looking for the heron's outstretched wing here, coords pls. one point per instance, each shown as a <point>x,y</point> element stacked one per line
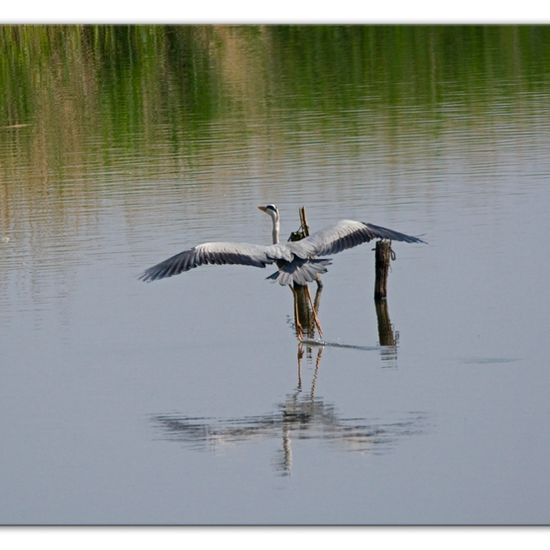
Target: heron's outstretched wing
<point>345,234</point>
<point>216,253</point>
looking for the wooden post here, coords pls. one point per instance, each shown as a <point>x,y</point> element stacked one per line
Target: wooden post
<point>305,313</point>
<point>303,231</point>
<point>384,255</point>
<point>302,312</point>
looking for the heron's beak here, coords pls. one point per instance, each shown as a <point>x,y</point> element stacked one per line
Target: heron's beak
<point>262,208</point>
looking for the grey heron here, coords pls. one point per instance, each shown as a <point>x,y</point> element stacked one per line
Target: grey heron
<point>298,262</point>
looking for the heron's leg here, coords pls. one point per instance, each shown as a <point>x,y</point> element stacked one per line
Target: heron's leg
<point>319,283</point>
<point>318,292</point>
<point>315,318</point>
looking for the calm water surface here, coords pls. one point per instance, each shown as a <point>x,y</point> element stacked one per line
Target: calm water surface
<point>189,400</point>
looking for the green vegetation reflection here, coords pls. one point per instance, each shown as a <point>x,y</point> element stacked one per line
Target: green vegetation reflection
<point>109,90</point>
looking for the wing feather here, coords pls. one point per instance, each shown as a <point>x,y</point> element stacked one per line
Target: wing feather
<point>215,253</point>
<point>343,235</point>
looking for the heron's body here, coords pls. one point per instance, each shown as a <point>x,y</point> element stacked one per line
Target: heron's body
<point>298,262</point>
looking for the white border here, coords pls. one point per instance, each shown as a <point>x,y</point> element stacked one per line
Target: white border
<point>282,11</point>
<point>267,538</point>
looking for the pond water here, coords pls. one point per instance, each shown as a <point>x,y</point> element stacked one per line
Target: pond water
<point>189,400</point>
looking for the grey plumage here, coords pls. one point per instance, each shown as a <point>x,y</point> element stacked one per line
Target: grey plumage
<point>300,271</point>
<point>343,235</point>
<point>216,253</point>
<point>297,261</point>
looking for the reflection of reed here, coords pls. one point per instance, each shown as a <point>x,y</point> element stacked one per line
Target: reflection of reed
<point>301,416</point>
<point>119,88</point>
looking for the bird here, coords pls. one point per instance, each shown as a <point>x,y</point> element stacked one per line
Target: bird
<point>298,262</point>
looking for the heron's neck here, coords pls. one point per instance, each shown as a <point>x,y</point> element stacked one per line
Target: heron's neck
<point>276,229</point>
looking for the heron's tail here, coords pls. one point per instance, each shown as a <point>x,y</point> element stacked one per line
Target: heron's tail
<point>300,271</point>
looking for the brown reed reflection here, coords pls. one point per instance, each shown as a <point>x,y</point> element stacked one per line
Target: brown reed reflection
<point>300,416</point>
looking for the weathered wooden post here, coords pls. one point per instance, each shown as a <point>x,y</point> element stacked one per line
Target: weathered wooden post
<point>304,316</point>
<point>302,312</point>
<point>384,255</point>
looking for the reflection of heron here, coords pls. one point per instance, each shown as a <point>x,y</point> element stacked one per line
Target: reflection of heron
<point>302,415</point>
<point>297,261</point>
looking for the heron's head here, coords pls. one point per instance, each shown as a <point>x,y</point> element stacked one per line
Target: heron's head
<point>271,210</point>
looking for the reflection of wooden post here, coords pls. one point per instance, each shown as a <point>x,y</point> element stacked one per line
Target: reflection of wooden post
<point>386,335</point>
<point>384,255</point>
